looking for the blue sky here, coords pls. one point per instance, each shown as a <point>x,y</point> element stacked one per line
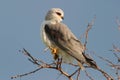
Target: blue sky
<point>20,28</point>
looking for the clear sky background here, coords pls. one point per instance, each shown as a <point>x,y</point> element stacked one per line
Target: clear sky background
<point>20,28</point>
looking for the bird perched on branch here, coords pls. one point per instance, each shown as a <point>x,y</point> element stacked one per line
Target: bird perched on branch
<point>61,41</point>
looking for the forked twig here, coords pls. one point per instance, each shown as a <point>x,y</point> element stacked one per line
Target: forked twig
<point>108,77</point>
<point>88,75</point>
<point>42,65</point>
<point>87,30</point>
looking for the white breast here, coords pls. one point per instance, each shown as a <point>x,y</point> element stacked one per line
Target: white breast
<point>44,36</point>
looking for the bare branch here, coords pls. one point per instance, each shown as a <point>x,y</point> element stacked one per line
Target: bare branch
<point>118,58</point>
<point>42,65</point>
<point>17,76</point>
<point>117,73</point>
<point>88,75</point>
<point>78,75</point>
<point>115,48</point>
<point>118,23</point>
<point>75,72</point>
<point>108,77</point>
<point>87,30</point>
<point>115,66</point>
<point>30,57</point>
<point>104,59</point>
<point>115,51</point>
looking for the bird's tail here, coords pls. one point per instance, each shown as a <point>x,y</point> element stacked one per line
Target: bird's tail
<point>90,61</point>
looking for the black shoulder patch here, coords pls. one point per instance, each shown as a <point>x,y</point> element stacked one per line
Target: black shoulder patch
<point>53,33</point>
<point>46,28</point>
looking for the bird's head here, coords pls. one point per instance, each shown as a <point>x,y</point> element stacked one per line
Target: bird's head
<point>56,14</point>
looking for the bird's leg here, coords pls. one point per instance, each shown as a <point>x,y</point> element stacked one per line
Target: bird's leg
<point>54,51</point>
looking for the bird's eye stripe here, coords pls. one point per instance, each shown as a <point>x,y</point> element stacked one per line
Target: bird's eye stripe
<point>58,13</point>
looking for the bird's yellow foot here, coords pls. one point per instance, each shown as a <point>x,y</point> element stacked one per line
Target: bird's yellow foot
<point>54,51</point>
<point>55,56</point>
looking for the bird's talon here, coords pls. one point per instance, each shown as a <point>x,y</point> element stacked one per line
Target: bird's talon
<point>54,50</point>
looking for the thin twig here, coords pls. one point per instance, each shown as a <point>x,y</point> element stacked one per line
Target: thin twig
<point>108,77</point>
<point>75,72</point>
<point>118,58</point>
<point>17,76</point>
<point>75,65</point>
<point>87,30</point>
<point>43,65</point>
<point>118,23</point>
<point>66,74</point>
<point>117,73</point>
<point>31,58</point>
<point>104,59</point>
<point>115,48</point>
<point>78,75</point>
<point>88,75</point>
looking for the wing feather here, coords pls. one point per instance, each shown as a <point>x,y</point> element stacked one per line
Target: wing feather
<point>60,35</point>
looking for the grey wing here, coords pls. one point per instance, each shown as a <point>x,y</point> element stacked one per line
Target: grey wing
<point>60,35</point>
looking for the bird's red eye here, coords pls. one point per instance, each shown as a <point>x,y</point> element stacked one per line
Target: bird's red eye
<point>58,13</point>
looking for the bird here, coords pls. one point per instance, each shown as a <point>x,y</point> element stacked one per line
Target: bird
<point>62,42</point>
